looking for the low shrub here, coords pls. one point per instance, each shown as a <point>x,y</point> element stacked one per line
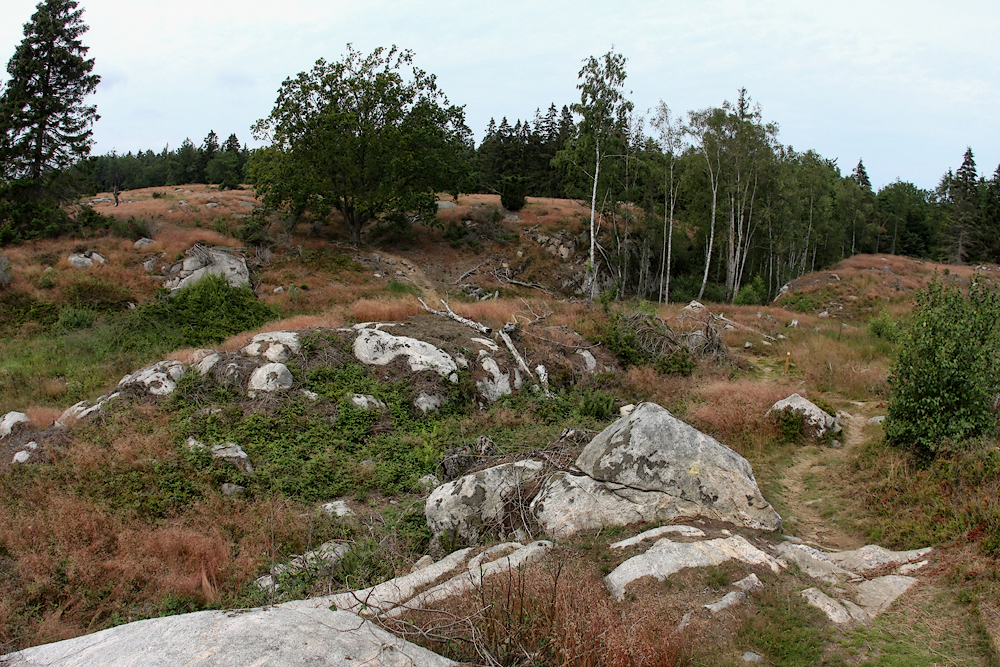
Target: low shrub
<point>678,363</point>
<point>97,295</point>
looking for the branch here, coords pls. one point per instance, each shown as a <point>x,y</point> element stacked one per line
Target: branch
<point>471,271</point>
<point>450,314</point>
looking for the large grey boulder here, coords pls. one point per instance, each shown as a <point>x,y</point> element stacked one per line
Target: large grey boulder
<point>489,501</point>
<point>279,636</point>
<point>159,379</point>
<point>202,262</point>
<point>815,420</point>
<point>651,450</point>
<point>270,378</point>
<point>10,421</point>
<point>378,348</point>
<point>277,346</point>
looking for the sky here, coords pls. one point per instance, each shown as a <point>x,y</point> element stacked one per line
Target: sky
<point>905,86</point>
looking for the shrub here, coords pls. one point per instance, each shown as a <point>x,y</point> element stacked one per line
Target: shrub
<point>945,380</point>
<point>513,191</point>
<point>97,295</point>
<point>133,229</point>
<point>71,319</point>
<point>597,404</point>
<point>884,327</point>
<point>752,294</point>
<point>678,363</point>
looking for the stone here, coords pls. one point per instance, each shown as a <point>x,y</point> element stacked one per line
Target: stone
<point>626,410</point>
<point>82,411</point>
<point>367,402</point>
<point>910,568</point>
<point>428,402</point>
<point>484,501</point>
<point>422,562</point>
<point>751,582</point>
<point>815,564</point>
<point>378,348</point>
<point>159,379</point>
<point>278,290</point>
<point>442,205</point>
<point>815,419</point>
<point>10,422</point>
<point>728,600</point>
<point>208,363</point>
<point>143,243</point>
<point>589,362</point>
<point>873,557</point>
<point>876,420</point>
<point>202,262</point>
<point>651,450</point>
<point>233,453</point>
<point>338,508</point>
<point>876,595</point>
<point>496,384</point>
<point>694,306</point>
<point>283,635</point>
<point>841,612</point>
<point>85,260</point>
<point>231,489</point>
<point>750,656</point>
<point>667,557</point>
<point>21,456</point>
<point>277,346</point>
<point>656,533</point>
<point>322,560</point>
<point>270,378</point>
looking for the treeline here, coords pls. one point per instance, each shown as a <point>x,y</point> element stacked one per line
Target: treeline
<point>747,214</point>
<point>224,165</point>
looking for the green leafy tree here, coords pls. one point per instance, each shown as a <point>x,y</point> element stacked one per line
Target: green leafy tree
<point>360,137</point>
<point>947,377</point>
<point>46,127</point>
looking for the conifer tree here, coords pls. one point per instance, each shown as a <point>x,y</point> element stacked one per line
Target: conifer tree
<point>45,127</point>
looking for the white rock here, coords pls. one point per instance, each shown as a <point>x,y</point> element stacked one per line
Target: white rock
<point>278,636</point>
<point>21,456</point>
<point>377,347</point>
<point>750,656</point>
<point>202,262</point>
<point>815,564</point>
<point>656,533</point>
<point>271,377</point>
<point>273,345</point>
<point>483,501</point>
<point>589,362</point>
<point>841,612</point>
<point>208,363</point>
<point>816,420</point>
<point>429,402</point>
<point>751,582</point>
<point>337,508</point>
<point>367,402</point>
<point>910,568</point>
<point>487,343</point>
<point>626,410</point>
<point>652,450</point>
<point>873,557</point>
<point>80,261</point>
<point>728,600</point>
<point>323,559</point>
<point>496,385</point>
<point>234,454</point>
<point>666,557</point>
<point>877,594</point>
<point>694,306</point>
<point>10,420</point>
<point>143,243</point>
<point>876,420</point>
<point>159,379</point>
<point>311,395</point>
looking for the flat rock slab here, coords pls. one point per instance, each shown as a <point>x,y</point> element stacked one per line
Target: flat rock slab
<point>378,348</point>
<point>877,594</point>
<point>278,636</point>
<point>841,612</point>
<point>873,557</point>
<point>815,564</point>
<point>665,558</point>
<point>277,346</point>
<point>656,533</point>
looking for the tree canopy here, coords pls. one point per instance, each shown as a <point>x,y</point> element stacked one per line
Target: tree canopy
<point>360,137</point>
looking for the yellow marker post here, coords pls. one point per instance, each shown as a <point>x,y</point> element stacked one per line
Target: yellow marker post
<point>788,360</point>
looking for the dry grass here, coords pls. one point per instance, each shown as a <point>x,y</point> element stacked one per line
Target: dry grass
<point>734,413</point>
<point>294,323</point>
<point>385,309</point>
<point>42,417</point>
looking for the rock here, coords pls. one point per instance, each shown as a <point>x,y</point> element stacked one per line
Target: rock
<point>496,385</point>
<point>367,402</point>
<point>751,582</point>
<point>143,243</point>
<point>202,262</point>
<point>824,315</point>
<point>233,453</point>
<point>747,345</point>
<point>231,489</point>
<point>873,557</point>
<point>322,560</point>
<point>750,656</point>
<point>815,564</point>
<point>651,450</point>
<point>277,636</point>
<point>815,420</point>
<point>159,379</point>
<point>442,205</point>
<point>589,362</point>
<point>271,377</point>
<point>206,364</point>
<point>877,594</point>
<point>666,557</point>
<point>338,508</point>
<point>11,420</point>
<point>428,402</point>
<point>279,290</point>
<point>485,501</point>
<point>695,307</point>
<point>655,533</point>
<point>311,395</point>
<point>728,600</point>
<point>626,410</point>
<point>377,347</point>
<point>841,612</point>
<point>85,260</point>
<point>876,420</point>
<point>275,346</point>
<point>910,568</point>
<point>793,324</point>
<point>25,454</point>
<point>82,411</point>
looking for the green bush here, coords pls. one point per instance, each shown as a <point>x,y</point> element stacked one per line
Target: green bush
<point>597,404</point>
<point>947,376</point>
<point>752,294</point>
<point>133,229</point>
<point>884,327</point>
<point>513,192</point>
<point>71,319</point>
<point>678,363</point>
<point>98,295</point>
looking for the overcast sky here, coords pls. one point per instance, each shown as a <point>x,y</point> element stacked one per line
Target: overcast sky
<point>904,85</point>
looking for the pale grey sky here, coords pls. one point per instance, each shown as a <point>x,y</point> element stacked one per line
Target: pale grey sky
<point>904,85</point>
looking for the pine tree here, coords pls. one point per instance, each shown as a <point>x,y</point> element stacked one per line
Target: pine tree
<point>860,176</point>
<point>44,124</point>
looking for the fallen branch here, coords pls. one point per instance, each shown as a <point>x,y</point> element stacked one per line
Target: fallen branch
<point>742,326</point>
<point>450,314</point>
<point>471,271</point>
<point>507,280</point>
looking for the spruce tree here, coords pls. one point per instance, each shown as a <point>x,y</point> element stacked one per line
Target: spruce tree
<point>860,176</point>
<point>45,127</point>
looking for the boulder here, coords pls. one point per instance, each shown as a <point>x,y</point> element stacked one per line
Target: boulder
<point>83,410</point>
<point>429,402</point>
<point>841,612</point>
<point>276,346</point>
<point>202,262</point>
<point>873,557</point>
<point>85,260</point>
<point>367,402</point>
<point>378,348</point>
<point>270,378</point>
<point>488,501</point>
<point>10,422</point>
<point>876,595</point>
<point>278,636</point>
<point>143,243</point>
<point>496,384</point>
<point>815,563</point>
<point>159,379</point>
<point>815,420</point>
<point>666,557</point>
<point>651,450</point>
<point>233,453</point>
<point>24,455</point>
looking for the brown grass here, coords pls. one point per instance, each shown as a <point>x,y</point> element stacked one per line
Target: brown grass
<point>385,309</point>
<point>734,413</point>
<point>42,417</point>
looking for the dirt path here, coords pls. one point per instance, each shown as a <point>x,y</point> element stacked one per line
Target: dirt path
<point>815,490</point>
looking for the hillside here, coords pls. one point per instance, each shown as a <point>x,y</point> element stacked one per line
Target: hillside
<point>118,516</point>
